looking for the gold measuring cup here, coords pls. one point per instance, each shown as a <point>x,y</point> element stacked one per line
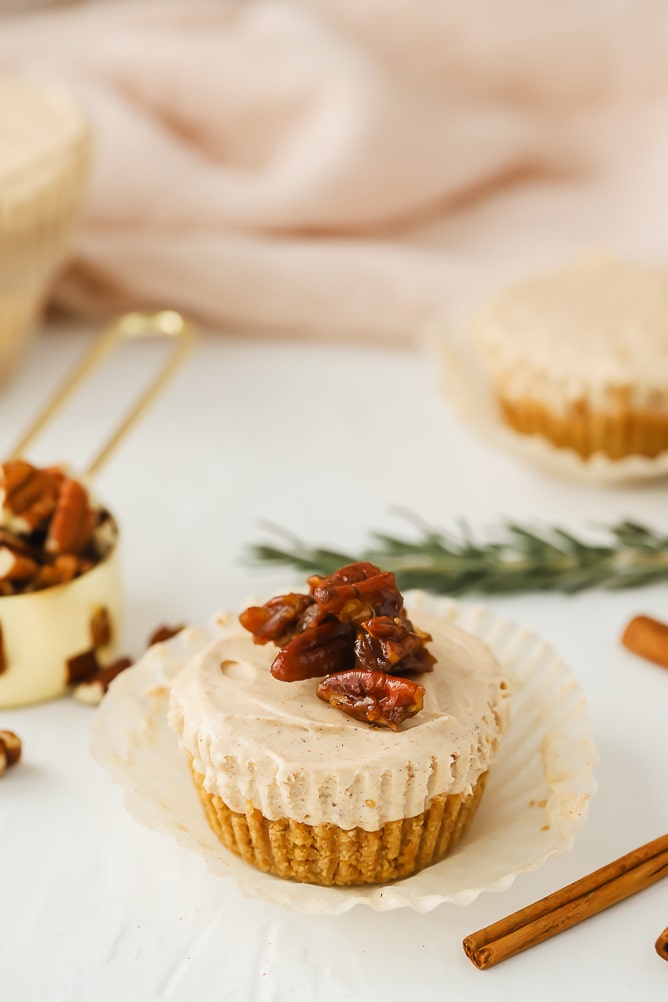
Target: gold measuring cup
<point>42,631</point>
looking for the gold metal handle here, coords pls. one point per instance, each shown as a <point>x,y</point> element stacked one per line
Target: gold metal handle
<point>166,323</point>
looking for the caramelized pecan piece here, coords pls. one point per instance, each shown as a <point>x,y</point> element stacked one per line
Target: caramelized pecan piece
<point>278,619</point>
<point>373,696</point>
<point>357,592</point>
<point>316,651</point>
<point>392,645</point>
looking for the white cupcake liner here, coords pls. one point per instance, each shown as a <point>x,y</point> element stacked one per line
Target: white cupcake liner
<point>463,384</point>
<point>535,803</point>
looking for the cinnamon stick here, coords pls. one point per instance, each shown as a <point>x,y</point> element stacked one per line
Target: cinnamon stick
<point>649,638</point>
<point>661,944</point>
<point>572,904</point>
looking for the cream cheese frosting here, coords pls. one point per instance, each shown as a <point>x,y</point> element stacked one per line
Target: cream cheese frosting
<point>595,330</point>
<point>276,746</point>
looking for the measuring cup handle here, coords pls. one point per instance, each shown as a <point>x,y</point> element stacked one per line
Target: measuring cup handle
<point>165,323</point>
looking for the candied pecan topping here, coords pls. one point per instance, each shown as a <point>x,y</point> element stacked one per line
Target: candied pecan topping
<point>373,696</point>
<point>392,645</point>
<point>357,592</point>
<point>353,621</point>
<point>278,619</point>
<point>319,650</point>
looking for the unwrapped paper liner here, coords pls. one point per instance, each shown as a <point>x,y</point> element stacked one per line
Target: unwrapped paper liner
<point>536,800</point>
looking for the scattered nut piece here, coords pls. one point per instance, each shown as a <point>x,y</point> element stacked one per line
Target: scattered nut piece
<point>10,750</point>
<point>649,638</point>
<point>12,745</point>
<point>82,666</point>
<point>164,633</point>
<point>93,688</point>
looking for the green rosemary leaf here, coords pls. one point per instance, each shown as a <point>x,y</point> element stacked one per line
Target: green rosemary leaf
<point>516,559</point>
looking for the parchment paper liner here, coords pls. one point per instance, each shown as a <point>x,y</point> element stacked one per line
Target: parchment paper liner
<point>465,387</point>
<point>535,803</point>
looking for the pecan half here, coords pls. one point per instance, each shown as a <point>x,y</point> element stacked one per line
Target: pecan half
<point>73,521</point>
<point>373,696</point>
<point>317,651</point>
<point>278,619</point>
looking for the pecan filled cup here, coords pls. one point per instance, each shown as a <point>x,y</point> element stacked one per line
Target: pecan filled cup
<point>334,737</point>
<point>60,590</point>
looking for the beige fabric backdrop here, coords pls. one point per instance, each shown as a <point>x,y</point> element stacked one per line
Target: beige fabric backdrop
<point>352,167</point>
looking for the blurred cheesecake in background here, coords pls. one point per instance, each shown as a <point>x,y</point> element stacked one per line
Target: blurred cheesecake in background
<point>579,356</point>
<point>44,162</point>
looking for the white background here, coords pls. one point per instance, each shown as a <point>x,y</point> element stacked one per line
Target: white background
<point>324,440</point>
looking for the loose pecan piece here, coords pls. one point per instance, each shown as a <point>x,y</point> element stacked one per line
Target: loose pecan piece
<point>73,521</point>
<point>163,633</point>
<point>94,687</point>
<point>10,750</point>
<point>278,619</point>
<point>373,696</point>
<point>317,651</point>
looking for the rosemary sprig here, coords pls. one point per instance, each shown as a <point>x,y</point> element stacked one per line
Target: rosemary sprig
<point>516,559</point>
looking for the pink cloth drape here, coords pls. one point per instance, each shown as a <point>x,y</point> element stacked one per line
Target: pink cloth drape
<point>352,168</point>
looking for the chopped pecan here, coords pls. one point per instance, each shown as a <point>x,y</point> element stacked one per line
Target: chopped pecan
<point>278,619</point>
<point>317,651</point>
<point>94,687</point>
<point>373,696</point>
<point>73,521</point>
<point>164,633</point>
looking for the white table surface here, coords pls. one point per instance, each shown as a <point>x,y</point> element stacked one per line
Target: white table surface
<point>325,440</point>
